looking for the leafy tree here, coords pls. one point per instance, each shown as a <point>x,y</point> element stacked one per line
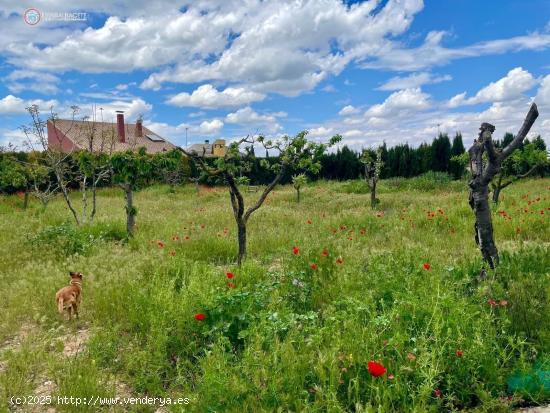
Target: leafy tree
<point>457,168</point>
<point>294,152</point>
<point>373,168</point>
<point>130,171</point>
<point>522,163</point>
<point>298,181</point>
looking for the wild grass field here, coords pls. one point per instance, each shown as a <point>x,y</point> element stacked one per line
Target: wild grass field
<point>328,286</point>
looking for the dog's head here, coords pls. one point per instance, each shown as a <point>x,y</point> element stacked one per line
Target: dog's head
<point>75,275</point>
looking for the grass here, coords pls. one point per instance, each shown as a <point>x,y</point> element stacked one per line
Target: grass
<point>287,337</point>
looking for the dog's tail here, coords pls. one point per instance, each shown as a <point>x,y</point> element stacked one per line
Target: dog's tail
<point>60,305</point>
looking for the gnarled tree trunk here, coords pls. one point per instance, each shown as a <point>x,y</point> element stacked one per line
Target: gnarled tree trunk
<point>130,209</point>
<point>482,174</point>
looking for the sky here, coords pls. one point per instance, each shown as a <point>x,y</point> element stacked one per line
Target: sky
<point>398,71</point>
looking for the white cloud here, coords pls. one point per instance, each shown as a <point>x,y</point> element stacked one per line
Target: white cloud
<point>395,56</point>
<point>320,132</point>
<point>398,103</point>
<point>21,80</point>
<point>348,110</point>
<point>248,115</point>
<point>132,109</point>
<point>413,80</point>
<point>12,105</point>
<point>511,86</point>
<point>208,97</point>
<point>211,127</point>
<point>543,94</point>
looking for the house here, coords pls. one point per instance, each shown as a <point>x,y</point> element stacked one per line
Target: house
<point>71,135</point>
<point>209,150</point>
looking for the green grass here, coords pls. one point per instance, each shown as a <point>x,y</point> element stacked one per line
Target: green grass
<point>287,337</point>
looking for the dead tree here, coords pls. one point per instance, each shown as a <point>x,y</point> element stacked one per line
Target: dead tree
<point>482,171</point>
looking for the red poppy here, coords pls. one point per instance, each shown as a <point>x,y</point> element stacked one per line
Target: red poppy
<point>459,353</point>
<point>503,303</point>
<point>295,250</point>
<point>391,377</point>
<point>492,302</point>
<point>187,237</point>
<point>362,232</point>
<point>160,244</point>
<point>309,221</point>
<point>437,393</point>
<point>376,369</point>
<point>427,266</point>
<point>175,238</point>
<point>313,266</point>
<point>229,275</point>
<point>339,260</point>
<point>230,285</point>
<point>200,317</point>
<point>173,253</point>
<point>324,253</point>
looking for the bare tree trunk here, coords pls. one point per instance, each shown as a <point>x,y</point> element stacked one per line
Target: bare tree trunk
<point>130,210</point>
<point>496,189</point>
<point>26,198</point>
<point>94,202</point>
<point>66,196</point>
<point>372,186</point>
<point>482,174</point>
<point>241,235</point>
<point>298,195</point>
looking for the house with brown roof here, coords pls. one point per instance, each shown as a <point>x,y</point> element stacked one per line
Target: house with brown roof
<point>107,137</point>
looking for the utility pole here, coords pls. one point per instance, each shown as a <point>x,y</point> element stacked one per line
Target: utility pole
<point>186,137</point>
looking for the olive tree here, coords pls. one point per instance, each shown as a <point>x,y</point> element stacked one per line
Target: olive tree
<point>294,152</point>
<point>485,162</point>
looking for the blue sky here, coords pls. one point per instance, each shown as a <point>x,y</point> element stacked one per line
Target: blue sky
<point>394,71</point>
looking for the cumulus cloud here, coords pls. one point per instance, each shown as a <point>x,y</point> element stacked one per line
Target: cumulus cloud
<point>12,105</point>
<point>398,103</point>
<point>348,110</point>
<point>208,97</point>
<point>211,127</point>
<point>21,80</point>
<point>511,86</point>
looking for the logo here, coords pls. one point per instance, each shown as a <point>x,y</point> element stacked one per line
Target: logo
<point>32,16</point>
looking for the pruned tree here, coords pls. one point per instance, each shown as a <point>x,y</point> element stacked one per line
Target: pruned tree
<point>294,152</point>
<point>298,181</point>
<point>130,172</point>
<point>485,162</point>
<point>373,168</point>
<point>523,162</point>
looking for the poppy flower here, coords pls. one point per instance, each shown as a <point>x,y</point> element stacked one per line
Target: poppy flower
<point>175,238</point>
<point>229,275</point>
<point>295,250</point>
<point>324,253</point>
<point>200,317</point>
<point>492,302</point>
<point>313,266</point>
<point>459,353</point>
<point>503,303</point>
<point>437,393</point>
<point>391,377</point>
<point>187,237</point>
<point>160,244</point>
<point>309,221</point>
<point>339,260</point>
<point>376,369</point>
<point>427,266</point>
<point>173,253</point>
<point>230,285</point>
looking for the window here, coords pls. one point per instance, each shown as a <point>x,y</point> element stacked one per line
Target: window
<point>154,137</point>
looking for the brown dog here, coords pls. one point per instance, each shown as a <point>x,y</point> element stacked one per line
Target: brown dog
<point>69,297</point>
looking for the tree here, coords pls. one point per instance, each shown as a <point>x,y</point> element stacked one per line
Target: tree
<point>441,153</point>
<point>483,171</point>
<point>130,171</point>
<point>373,168</point>
<point>456,168</point>
<point>298,181</point>
<point>294,152</point>
<point>522,163</point>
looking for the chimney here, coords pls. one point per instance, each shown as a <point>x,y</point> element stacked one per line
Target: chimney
<point>120,126</point>
<point>139,127</point>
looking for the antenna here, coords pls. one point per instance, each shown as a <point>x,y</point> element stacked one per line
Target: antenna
<point>186,137</point>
